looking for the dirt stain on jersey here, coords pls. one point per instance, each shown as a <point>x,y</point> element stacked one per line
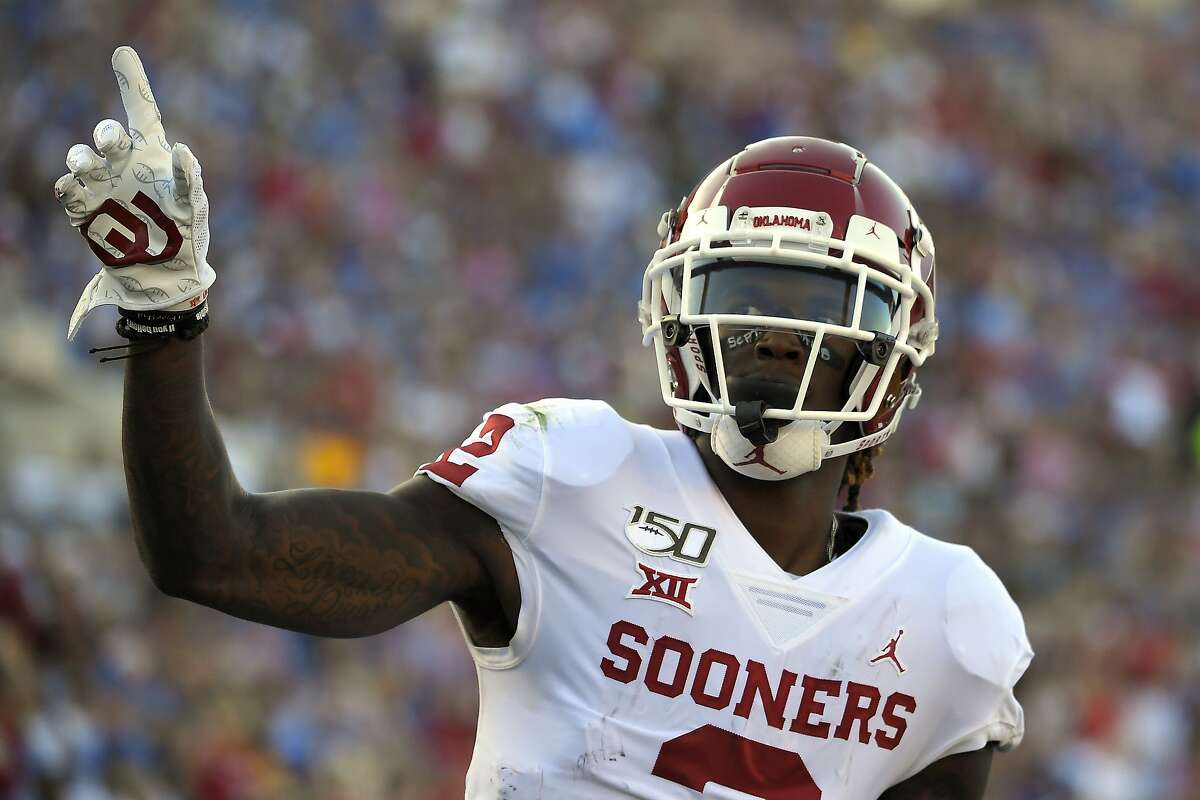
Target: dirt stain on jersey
<point>604,746</point>
<point>516,784</point>
<point>543,419</point>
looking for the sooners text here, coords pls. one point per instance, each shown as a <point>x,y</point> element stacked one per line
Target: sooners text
<point>715,678</point>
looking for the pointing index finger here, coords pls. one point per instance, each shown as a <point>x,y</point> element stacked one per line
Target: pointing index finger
<point>136,96</point>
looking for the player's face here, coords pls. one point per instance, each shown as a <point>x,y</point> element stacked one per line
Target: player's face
<point>765,363</point>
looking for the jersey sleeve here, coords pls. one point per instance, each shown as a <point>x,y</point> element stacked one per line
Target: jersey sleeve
<point>986,634</point>
<point>498,468</point>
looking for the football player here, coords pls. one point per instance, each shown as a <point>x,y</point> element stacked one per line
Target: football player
<point>653,613</point>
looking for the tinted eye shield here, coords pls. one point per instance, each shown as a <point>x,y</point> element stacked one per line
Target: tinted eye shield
<point>736,340</point>
<point>787,293</point>
<point>676,267</point>
<point>741,292</point>
<point>774,365</point>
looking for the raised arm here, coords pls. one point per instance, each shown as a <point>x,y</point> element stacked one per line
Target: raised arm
<point>321,561</point>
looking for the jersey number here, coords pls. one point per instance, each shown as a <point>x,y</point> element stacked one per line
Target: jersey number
<point>491,433</point>
<point>714,755</point>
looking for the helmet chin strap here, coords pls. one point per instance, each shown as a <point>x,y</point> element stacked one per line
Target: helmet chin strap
<point>793,449</point>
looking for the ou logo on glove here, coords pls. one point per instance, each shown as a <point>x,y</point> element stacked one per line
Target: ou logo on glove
<point>136,250</point>
<point>153,244</point>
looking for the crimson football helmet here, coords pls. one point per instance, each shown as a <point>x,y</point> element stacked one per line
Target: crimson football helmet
<point>803,240</point>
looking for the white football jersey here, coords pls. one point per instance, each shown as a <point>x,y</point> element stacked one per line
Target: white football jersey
<point>661,653</point>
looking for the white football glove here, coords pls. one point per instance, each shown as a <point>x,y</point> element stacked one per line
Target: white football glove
<point>140,204</point>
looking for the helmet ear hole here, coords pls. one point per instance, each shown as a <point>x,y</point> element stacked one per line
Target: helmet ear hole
<point>675,333</point>
<point>878,350</point>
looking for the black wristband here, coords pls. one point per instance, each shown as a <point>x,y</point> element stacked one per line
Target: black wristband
<point>144,325</point>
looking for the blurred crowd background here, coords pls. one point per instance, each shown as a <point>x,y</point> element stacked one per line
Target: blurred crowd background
<point>424,209</point>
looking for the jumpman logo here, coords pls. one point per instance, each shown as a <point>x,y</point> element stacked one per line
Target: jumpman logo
<point>872,231</point>
<point>756,456</point>
<point>888,653</point>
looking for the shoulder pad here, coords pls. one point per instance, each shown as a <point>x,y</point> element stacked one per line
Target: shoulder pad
<point>983,625</point>
<point>498,468</point>
<point>586,440</point>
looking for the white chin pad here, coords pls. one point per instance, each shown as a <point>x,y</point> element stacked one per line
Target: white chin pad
<point>799,448</point>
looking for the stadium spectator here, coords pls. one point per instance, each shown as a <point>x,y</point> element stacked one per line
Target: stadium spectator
<point>424,209</point>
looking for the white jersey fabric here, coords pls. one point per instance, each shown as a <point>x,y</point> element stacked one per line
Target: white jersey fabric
<point>661,653</point>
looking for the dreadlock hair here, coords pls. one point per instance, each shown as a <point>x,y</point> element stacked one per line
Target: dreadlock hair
<point>859,470</point>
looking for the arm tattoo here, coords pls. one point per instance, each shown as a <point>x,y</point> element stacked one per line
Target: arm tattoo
<point>323,561</point>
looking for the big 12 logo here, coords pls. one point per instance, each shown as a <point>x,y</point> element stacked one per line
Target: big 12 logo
<point>662,535</point>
